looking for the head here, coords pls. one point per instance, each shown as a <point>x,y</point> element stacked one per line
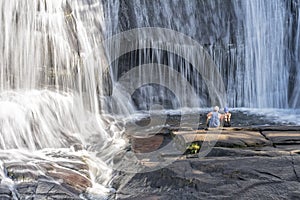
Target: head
<point>226,109</point>
<point>216,108</point>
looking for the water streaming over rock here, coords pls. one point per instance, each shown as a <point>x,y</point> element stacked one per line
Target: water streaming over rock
<point>51,64</point>
<point>64,84</point>
<point>265,82</point>
<point>295,32</point>
<point>253,43</point>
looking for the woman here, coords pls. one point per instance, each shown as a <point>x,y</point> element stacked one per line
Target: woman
<point>213,118</point>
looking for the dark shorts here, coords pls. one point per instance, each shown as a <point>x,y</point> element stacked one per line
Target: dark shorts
<point>227,124</point>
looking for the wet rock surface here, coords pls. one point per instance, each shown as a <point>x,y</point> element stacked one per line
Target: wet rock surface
<point>218,178</point>
<point>38,178</point>
<point>245,162</point>
<point>258,162</point>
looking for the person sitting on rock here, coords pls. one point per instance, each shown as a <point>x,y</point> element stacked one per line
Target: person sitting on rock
<point>213,118</point>
<point>226,117</point>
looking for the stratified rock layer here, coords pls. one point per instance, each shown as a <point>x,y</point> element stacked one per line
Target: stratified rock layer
<point>245,163</point>
<point>38,178</point>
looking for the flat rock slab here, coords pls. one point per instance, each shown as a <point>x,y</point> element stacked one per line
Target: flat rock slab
<point>247,152</point>
<point>226,138</point>
<point>274,128</point>
<point>217,178</point>
<point>283,137</point>
<point>294,148</point>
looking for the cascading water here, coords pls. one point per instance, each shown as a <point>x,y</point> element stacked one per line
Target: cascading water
<point>253,43</point>
<point>265,82</point>
<point>51,61</point>
<point>295,98</point>
<point>61,81</point>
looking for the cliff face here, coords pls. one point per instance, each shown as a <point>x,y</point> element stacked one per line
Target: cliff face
<point>242,37</point>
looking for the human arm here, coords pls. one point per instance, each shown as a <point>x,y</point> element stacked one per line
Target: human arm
<point>209,115</point>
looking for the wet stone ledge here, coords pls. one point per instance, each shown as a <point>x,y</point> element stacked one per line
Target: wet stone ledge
<point>245,163</point>
<point>44,179</point>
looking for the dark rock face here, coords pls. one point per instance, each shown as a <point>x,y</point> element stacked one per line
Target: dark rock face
<point>220,26</point>
<point>190,17</point>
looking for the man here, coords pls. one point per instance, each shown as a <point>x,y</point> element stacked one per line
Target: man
<point>227,117</point>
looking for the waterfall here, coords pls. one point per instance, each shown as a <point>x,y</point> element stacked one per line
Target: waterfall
<point>295,98</point>
<point>47,45</point>
<point>265,82</point>
<point>253,43</point>
<point>51,63</point>
<point>51,47</point>
<point>73,71</point>
<point>180,16</point>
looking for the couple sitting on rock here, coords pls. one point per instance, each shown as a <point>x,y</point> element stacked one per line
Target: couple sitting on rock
<point>214,119</point>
